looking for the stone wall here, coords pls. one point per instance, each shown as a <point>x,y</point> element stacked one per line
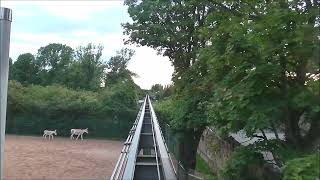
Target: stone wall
<point>214,150</point>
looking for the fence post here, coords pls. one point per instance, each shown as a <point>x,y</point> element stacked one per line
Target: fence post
<point>5,28</point>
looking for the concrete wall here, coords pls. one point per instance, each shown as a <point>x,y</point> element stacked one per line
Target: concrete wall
<point>214,150</point>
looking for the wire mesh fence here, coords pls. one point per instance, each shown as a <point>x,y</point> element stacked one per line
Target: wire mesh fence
<point>172,142</point>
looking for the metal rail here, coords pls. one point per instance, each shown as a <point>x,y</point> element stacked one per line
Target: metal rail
<point>145,155</point>
<point>168,168</point>
<point>121,163</point>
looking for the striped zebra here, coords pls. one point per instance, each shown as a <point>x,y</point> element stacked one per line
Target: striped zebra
<point>78,132</point>
<point>49,133</point>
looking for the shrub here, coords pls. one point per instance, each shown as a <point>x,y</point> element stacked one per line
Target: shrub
<point>305,168</point>
<point>108,113</point>
<point>244,164</point>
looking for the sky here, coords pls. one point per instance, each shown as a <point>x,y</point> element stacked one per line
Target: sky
<point>37,23</point>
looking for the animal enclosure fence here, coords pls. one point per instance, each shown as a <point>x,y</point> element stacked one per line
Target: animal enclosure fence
<point>172,142</point>
<point>99,126</point>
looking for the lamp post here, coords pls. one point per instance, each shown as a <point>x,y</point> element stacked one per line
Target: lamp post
<point>5,27</point>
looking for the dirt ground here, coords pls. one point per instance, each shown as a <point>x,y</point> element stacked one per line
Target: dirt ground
<point>34,158</point>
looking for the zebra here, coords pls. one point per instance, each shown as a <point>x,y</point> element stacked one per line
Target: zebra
<point>78,132</point>
<point>49,133</point>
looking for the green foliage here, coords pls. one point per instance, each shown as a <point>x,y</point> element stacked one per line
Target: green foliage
<point>202,166</point>
<point>156,91</point>
<point>239,65</point>
<point>58,99</point>
<point>10,68</point>
<point>60,64</point>
<point>15,102</point>
<point>260,67</point>
<point>117,66</point>
<point>124,96</point>
<point>87,71</point>
<point>62,89</point>
<point>177,113</point>
<point>25,69</point>
<point>173,28</point>
<point>305,168</point>
<point>244,164</point>
<point>34,108</point>
<point>53,60</point>
<point>165,110</point>
<point>159,92</point>
<point>169,27</point>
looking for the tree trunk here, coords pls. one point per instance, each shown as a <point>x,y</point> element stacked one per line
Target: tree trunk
<point>188,146</point>
<point>312,139</point>
<point>292,130</point>
<point>291,116</point>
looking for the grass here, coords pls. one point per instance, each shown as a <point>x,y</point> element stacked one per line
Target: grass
<point>202,166</point>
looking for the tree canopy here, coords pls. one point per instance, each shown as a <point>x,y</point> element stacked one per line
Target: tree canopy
<point>63,88</point>
<point>87,72</point>
<point>117,66</point>
<point>83,68</point>
<point>25,69</point>
<point>53,60</point>
<point>239,65</point>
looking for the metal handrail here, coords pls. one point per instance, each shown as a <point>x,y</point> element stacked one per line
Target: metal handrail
<point>119,168</point>
<point>126,164</point>
<point>155,148</point>
<point>133,151</point>
<point>167,165</point>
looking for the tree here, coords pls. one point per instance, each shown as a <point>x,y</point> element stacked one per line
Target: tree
<point>54,61</point>
<point>168,91</point>
<point>160,92</point>
<point>156,87</point>
<point>10,68</point>
<point>117,66</point>
<point>248,65</point>
<point>262,60</point>
<point>15,102</point>
<point>157,91</point>
<point>25,69</point>
<point>87,72</point>
<point>173,28</point>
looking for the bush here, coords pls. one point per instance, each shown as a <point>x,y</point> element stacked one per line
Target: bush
<point>244,164</point>
<point>306,168</point>
<point>108,113</point>
<point>202,166</point>
<point>164,110</point>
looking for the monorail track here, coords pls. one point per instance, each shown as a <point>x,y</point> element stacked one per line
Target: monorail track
<point>145,155</point>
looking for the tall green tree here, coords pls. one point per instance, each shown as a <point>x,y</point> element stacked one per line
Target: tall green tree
<point>157,91</point>
<point>54,61</point>
<point>173,28</point>
<point>10,68</point>
<point>87,72</point>
<point>249,65</point>
<point>117,66</point>
<point>24,69</point>
<point>262,59</point>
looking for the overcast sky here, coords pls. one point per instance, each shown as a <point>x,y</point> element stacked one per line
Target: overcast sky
<point>38,23</point>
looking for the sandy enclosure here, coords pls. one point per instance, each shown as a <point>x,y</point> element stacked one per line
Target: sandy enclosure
<point>34,158</point>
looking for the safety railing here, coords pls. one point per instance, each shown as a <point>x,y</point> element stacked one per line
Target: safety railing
<point>122,160</point>
<point>166,160</point>
<point>145,154</point>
